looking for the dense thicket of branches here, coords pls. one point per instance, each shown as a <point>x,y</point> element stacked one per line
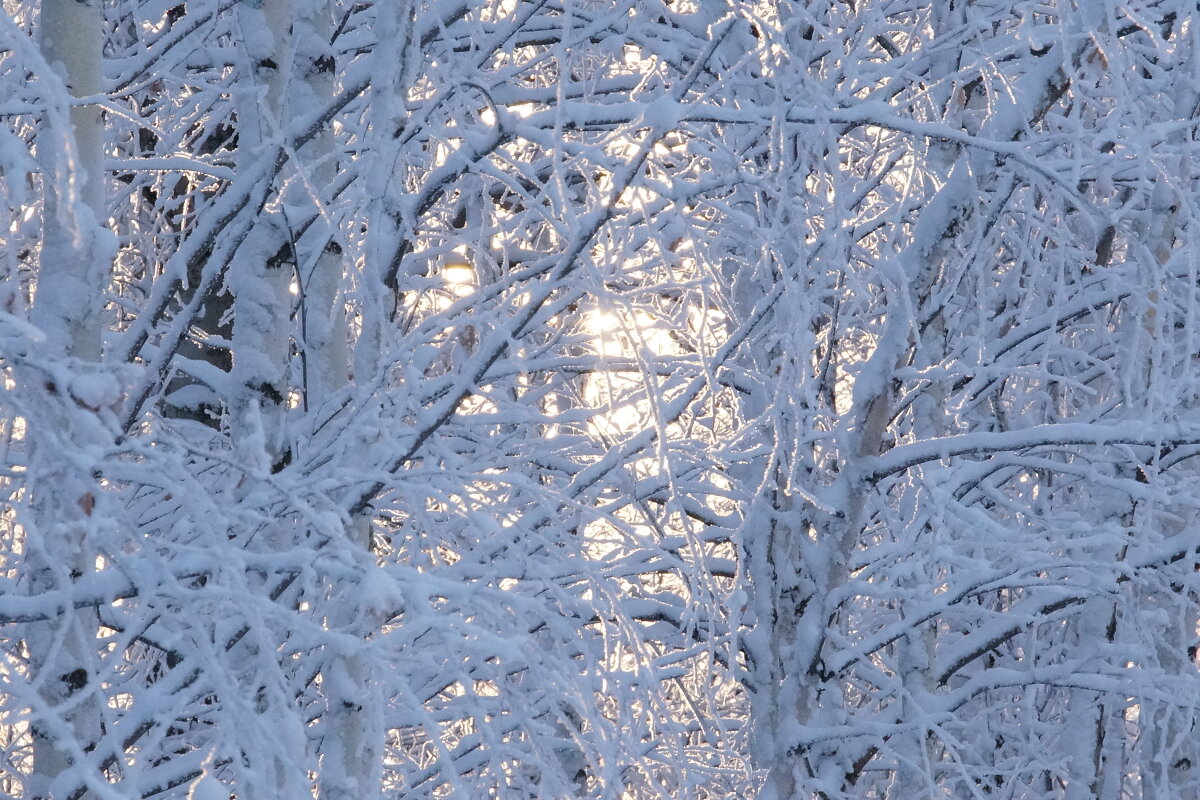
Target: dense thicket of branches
<point>590,398</point>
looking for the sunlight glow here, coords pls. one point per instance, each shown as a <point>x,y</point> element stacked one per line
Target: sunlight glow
<point>605,327</point>
<point>460,277</point>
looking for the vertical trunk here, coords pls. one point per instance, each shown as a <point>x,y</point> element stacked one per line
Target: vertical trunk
<point>351,731</point>
<point>260,275</point>
<point>1167,754</point>
<point>72,275</point>
<point>76,250</point>
<point>259,281</point>
<point>324,334</point>
<point>351,750</point>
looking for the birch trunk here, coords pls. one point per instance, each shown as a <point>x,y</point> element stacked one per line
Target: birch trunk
<point>351,730</point>
<point>259,280</point>
<point>322,272</point>
<point>260,275</point>
<point>76,250</point>
<point>353,735</point>
<point>72,276</point>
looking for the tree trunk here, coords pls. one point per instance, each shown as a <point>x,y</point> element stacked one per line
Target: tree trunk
<point>72,277</point>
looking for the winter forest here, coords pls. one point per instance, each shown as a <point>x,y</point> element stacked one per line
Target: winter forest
<point>599,399</point>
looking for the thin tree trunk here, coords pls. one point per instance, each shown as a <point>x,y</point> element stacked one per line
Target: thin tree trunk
<point>351,750</point>
<point>76,250</point>
<point>260,275</point>
<point>259,280</point>
<point>72,276</point>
